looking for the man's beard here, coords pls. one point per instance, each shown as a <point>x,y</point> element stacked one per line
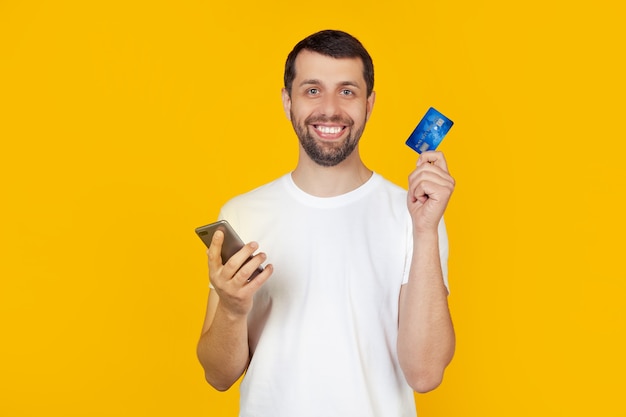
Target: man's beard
<point>327,154</point>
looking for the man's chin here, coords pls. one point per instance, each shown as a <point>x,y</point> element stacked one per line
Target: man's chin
<point>329,156</point>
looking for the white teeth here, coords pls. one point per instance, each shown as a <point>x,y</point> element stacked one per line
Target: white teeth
<point>329,130</point>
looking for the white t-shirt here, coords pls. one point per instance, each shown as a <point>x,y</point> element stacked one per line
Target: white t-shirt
<point>323,329</point>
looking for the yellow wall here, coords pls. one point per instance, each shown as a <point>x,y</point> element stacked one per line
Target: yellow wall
<point>125,124</point>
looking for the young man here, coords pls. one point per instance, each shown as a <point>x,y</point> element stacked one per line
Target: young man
<point>351,314</point>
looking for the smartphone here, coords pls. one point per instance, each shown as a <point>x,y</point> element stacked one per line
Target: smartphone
<point>231,245</point>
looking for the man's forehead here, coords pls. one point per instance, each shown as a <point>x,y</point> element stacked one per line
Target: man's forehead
<point>313,65</point>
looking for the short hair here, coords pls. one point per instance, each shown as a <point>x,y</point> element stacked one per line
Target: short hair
<point>335,44</point>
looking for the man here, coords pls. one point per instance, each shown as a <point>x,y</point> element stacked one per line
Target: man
<point>351,314</point>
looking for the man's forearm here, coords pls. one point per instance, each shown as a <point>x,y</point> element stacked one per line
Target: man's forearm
<point>223,349</point>
<point>426,336</point>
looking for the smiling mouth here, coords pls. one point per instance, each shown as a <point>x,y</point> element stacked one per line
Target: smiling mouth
<point>329,133</point>
<point>329,130</point>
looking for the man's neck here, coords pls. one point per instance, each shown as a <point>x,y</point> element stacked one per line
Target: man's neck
<point>323,181</point>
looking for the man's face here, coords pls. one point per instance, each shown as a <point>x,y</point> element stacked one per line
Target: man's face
<point>328,106</point>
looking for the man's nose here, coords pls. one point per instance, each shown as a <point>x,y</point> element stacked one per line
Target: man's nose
<point>330,105</point>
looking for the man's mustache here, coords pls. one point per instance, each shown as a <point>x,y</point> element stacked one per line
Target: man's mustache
<point>337,119</point>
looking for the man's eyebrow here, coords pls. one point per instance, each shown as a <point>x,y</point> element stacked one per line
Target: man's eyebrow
<point>350,84</point>
<point>309,82</point>
<point>314,81</point>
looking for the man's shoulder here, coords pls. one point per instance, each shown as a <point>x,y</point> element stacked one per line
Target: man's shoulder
<point>390,186</point>
<point>267,191</point>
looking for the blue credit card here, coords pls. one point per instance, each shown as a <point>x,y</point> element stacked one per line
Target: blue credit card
<point>429,132</point>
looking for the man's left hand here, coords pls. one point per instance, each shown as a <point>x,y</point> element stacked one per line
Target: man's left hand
<point>430,188</point>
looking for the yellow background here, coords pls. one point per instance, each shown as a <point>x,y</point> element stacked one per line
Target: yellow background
<point>125,124</point>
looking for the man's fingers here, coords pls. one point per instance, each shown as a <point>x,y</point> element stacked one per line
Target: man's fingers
<point>214,251</point>
<point>436,176</point>
<point>228,270</point>
<point>433,157</point>
<point>237,260</point>
<point>253,272</point>
<point>429,179</point>
<point>250,265</point>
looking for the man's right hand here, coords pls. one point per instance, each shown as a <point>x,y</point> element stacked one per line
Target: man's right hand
<point>230,280</point>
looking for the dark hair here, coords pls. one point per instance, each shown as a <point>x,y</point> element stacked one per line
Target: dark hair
<point>333,43</point>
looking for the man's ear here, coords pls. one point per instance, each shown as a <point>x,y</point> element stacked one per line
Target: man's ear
<point>369,106</point>
<point>286,103</point>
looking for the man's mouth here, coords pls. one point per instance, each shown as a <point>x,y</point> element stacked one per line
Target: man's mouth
<point>329,132</point>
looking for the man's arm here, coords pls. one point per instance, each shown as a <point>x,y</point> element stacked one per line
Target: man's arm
<point>223,348</point>
<point>426,338</point>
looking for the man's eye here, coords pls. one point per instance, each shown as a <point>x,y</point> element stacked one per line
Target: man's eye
<point>313,91</point>
<point>346,92</point>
